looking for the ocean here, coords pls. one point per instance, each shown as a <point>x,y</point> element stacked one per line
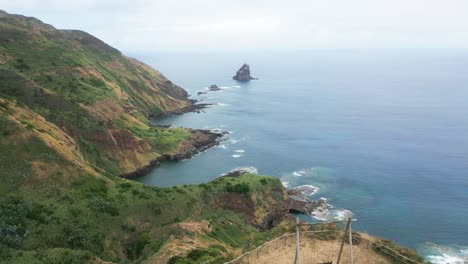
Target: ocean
<point>380,133</point>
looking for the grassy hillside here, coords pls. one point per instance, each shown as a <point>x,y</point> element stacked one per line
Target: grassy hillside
<point>111,219</point>
<point>98,97</point>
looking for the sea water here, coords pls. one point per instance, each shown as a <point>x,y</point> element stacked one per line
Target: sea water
<point>381,133</point>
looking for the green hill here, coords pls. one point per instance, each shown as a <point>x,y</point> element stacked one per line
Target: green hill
<point>76,89</point>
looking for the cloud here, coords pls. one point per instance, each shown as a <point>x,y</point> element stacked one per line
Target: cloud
<point>240,24</point>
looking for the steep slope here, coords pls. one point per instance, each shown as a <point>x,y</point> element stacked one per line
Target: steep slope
<point>98,97</point>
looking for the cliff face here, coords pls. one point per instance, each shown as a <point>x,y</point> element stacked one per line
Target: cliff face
<point>243,74</point>
<point>89,92</point>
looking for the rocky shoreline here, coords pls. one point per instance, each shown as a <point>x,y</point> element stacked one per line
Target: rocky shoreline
<point>204,140</point>
<point>297,201</point>
<point>194,107</point>
<point>197,108</point>
<point>201,141</point>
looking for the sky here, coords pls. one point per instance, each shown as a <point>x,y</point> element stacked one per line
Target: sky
<point>232,25</point>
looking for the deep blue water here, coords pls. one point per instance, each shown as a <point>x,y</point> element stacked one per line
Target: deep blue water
<point>383,134</point>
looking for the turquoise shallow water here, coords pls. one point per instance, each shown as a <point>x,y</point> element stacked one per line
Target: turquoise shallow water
<point>380,133</point>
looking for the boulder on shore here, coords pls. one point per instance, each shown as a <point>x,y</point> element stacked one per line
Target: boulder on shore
<point>243,74</point>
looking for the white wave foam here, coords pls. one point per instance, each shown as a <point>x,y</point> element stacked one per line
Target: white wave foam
<point>304,172</point>
<point>341,215</point>
<point>237,155</point>
<point>230,87</point>
<point>249,170</point>
<point>445,259</point>
<point>307,189</point>
<point>453,254</point>
<point>239,151</point>
<point>223,146</point>
<point>216,130</point>
<point>285,183</point>
<point>222,104</point>
<point>321,215</point>
<point>331,214</point>
<point>296,173</point>
<point>237,140</point>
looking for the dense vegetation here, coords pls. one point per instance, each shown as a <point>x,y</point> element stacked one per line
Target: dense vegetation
<point>117,220</point>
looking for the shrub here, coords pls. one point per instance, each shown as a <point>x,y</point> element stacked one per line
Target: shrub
<point>103,206</point>
<point>79,236</point>
<point>242,188</point>
<point>21,65</point>
<point>125,186</point>
<point>128,227</point>
<point>136,248</point>
<point>205,255</point>
<point>59,255</point>
<point>15,214</point>
<point>96,82</point>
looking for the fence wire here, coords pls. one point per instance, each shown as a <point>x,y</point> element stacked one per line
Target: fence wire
<point>316,249</point>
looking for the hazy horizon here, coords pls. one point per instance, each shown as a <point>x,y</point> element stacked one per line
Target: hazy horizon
<point>210,25</point>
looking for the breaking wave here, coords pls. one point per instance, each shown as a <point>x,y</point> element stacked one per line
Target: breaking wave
<point>307,189</point>
<point>296,179</point>
<point>439,254</point>
<point>229,87</point>
<point>332,214</point>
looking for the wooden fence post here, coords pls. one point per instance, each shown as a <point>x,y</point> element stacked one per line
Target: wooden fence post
<point>297,260</point>
<point>342,242</point>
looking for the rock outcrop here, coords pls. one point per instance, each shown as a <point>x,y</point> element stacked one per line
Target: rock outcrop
<point>214,87</point>
<point>243,74</point>
<point>241,171</point>
<point>307,206</point>
<point>200,141</point>
<point>298,202</point>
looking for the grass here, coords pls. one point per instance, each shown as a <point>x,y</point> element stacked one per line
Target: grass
<point>70,77</point>
<point>162,139</point>
<point>383,244</point>
<point>95,210</point>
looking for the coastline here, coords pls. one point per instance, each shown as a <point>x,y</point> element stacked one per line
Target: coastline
<point>201,140</point>
<point>194,107</point>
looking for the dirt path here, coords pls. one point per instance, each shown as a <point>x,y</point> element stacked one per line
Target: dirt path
<point>313,251</point>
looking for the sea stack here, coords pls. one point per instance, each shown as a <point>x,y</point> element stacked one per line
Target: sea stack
<point>243,74</point>
<point>214,87</point>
